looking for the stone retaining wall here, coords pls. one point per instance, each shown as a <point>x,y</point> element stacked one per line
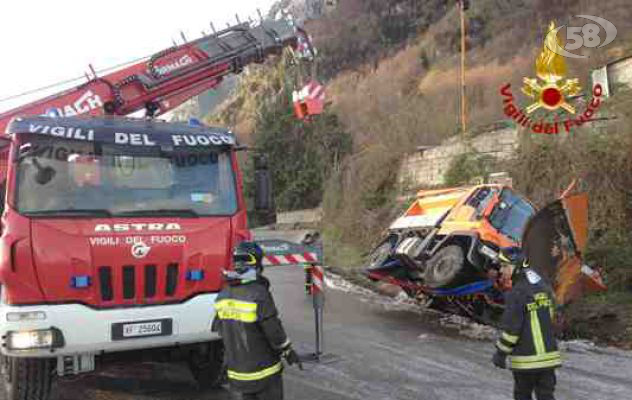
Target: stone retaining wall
<point>427,166</point>
<point>301,217</point>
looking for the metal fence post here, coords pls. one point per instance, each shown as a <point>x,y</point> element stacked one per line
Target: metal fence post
<point>318,298</point>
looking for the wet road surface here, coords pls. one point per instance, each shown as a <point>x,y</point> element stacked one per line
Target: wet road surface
<point>379,349</point>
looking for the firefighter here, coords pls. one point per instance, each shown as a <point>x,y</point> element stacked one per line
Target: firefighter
<point>249,324</point>
<point>527,334</point>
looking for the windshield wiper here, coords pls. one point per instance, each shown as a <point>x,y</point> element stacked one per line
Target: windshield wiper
<point>83,212</point>
<point>166,212</point>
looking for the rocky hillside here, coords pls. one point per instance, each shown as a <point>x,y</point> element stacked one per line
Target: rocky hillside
<point>391,69</point>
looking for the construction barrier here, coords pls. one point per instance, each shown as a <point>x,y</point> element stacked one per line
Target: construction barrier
<point>290,259</point>
<point>318,283</point>
<point>278,252</point>
<point>284,253</point>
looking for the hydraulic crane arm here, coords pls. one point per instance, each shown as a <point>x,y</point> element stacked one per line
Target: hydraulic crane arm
<point>170,77</point>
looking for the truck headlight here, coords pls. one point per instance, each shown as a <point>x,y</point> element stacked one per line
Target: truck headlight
<point>35,339</point>
<point>489,252</point>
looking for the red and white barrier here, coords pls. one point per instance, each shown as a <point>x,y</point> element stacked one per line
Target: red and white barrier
<point>290,259</point>
<point>318,280</point>
<point>310,100</point>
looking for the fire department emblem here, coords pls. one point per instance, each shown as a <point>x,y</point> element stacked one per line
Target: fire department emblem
<point>550,89</point>
<point>140,250</point>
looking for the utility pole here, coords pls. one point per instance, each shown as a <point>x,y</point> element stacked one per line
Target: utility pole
<point>463,6</point>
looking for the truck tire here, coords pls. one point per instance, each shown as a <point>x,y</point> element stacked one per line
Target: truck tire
<point>209,367</point>
<point>27,378</point>
<point>445,269</point>
<point>383,251</point>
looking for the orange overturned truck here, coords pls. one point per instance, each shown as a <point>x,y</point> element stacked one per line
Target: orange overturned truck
<point>445,247</point>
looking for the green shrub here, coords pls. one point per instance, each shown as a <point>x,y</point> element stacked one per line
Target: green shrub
<point>301,156</point>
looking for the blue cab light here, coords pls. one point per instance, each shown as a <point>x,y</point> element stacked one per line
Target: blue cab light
<point>80,281</point>
<point>195,275</point>
<point>195,122</point>
<point>53,113</point>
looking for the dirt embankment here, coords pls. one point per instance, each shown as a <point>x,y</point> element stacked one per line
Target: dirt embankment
<point>600,322</point>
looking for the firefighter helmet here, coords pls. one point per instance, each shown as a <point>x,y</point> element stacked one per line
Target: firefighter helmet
<point>248,261</point>
<point>514,257</point>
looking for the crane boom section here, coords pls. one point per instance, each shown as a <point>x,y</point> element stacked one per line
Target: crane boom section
<point>169,77</point>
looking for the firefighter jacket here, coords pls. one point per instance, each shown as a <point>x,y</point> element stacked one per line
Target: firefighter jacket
<point>527,325</point>
<point>254,338</point>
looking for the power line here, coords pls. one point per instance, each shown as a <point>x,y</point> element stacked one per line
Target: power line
<point>68,81</point>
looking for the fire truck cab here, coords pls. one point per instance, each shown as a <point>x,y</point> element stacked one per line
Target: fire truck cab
<point>114,233</point>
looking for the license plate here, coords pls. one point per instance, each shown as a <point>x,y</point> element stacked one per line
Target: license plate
<point>141,329</point>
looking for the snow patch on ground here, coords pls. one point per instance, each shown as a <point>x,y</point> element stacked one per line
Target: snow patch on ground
<point>336,282</point>
<point>586,346</point>
<point>401,302</point>
<point>469,328</point>
<point>577,346</point>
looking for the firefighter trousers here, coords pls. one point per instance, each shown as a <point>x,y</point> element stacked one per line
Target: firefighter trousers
<point>541,382</point>
<point>272,391</point>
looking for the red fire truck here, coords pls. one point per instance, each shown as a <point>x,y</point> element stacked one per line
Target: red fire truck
<point>114,231</point>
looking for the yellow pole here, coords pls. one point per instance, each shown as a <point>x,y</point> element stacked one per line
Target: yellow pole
<point>463,49</point>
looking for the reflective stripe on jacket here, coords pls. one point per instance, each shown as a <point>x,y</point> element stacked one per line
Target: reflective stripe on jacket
<point>248,322</point>
<point>255,376</point>
<point>527,327</point>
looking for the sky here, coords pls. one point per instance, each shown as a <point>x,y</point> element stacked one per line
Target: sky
<point>44,42</point>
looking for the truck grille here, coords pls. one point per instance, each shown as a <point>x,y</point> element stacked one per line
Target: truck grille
<point>172,279</point>
<point>138,282</point>
<point>150,281</point>
<point>105,279</point>
<point>129,283</point>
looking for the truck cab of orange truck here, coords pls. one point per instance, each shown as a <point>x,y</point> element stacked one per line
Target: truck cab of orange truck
<point>452,236</point>
<point>114,233</point>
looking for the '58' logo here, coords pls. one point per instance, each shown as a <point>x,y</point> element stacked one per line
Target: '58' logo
<point>585,36</point>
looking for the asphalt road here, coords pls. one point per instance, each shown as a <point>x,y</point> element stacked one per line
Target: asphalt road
<point>376,349</point>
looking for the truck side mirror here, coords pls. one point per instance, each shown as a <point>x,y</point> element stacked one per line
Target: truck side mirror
<point>263,185</point>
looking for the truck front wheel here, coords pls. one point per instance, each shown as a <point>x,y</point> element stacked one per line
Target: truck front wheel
<point>27,378</point>
<point>208,366</point>
<point>383,251</point>
<point>445,268</point>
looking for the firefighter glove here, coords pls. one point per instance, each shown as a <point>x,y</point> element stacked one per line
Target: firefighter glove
<point>291,357</point>
<point>500,359</point>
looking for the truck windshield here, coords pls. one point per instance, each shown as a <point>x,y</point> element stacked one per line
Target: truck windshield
<point>511,214</point>
<point>72,178</point>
